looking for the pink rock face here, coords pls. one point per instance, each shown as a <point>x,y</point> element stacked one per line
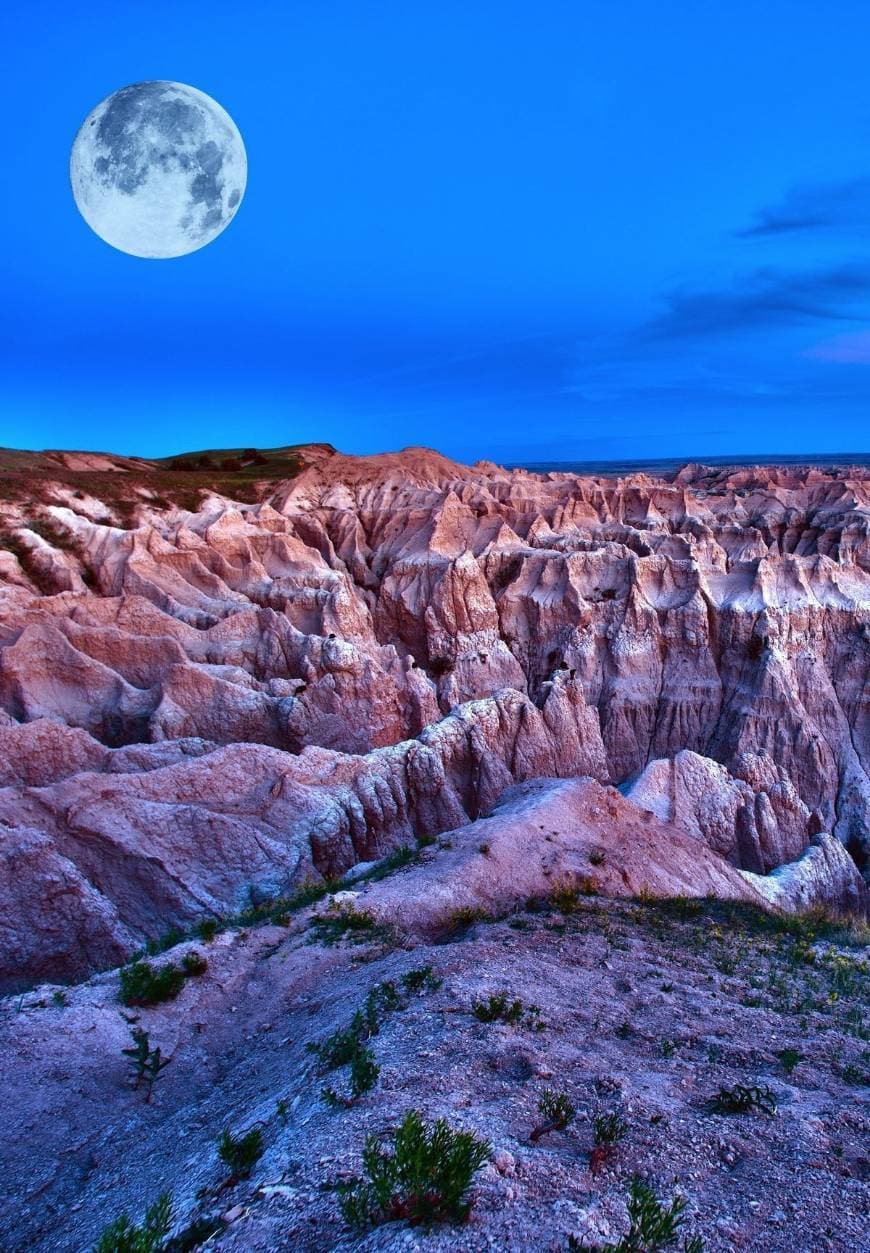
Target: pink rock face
<point>757,821</point>
<point>242,693</point>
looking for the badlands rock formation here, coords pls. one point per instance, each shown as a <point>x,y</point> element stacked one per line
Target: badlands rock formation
<point>229,674</point>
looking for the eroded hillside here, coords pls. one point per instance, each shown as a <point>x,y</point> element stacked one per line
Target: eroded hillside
<point>230,674</point>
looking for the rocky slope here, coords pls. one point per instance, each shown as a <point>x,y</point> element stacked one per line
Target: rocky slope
<point>642,1012</point>
<point>235,672</point>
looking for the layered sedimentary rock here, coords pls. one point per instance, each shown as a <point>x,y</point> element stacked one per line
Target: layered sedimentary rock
<point>213,682</point>
<point>754,819</point>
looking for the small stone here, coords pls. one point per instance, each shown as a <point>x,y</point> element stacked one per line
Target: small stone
<point>233,1215</point>
<point>504,1162</point>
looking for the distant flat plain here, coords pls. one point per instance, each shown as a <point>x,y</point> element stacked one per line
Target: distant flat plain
<point>669,465</point>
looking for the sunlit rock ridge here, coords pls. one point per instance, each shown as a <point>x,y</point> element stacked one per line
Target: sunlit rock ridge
<point>234,672</point>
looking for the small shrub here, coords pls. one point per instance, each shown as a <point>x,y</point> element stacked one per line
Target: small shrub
<point>557,1110</point>
<point>483,849</point>
<point>123,1237</point>
<point>855,1075</point>
<point>144,984</point>
<point>497,1008</point>
<point>146,1063</point>
<point>340,1048</point>
<point>207,929</point>
<point>624,1031</point>
<point>364,1072</point>
<point>464,918</point>
<point>404,856</point>
<point>668,1048</point>
<point>282,1111</point>
<point>742,1100</point>
<point>420,980</point>
<point>609,1129</point>
<point>59,998</point>
<point>194,964</point>
<point>424,1179</point>
<point>347,1047</point>
<point>565,897</point>
<point>241,1153</point>
<point>168,940</point>
<point>789,1059</point>
<point>331,1099</point>
<point>534,1021</point>
<point>356,925</point>
<point>652,1227</point>
<point>597,857</point>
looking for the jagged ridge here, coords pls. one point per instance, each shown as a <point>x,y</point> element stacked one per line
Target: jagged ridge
<point>382,645</point>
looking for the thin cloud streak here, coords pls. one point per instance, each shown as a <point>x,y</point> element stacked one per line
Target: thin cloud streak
<point>766,297</point>
<point>838,206</point>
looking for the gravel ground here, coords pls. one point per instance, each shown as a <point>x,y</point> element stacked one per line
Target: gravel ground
<point>646,1010</point>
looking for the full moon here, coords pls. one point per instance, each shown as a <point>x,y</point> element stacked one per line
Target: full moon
<point>158,169</point>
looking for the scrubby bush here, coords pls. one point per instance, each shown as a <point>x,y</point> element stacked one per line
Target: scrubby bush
<point>241,1153</point>
<point>609,1129</point>
<point>652,1226</point>
<point>565,897</point>
<point>856,1075</point>
<point>464,918</point>
<point>420,980</point>
<point>742,1100</point>
<point>498,1008</point>
<point>123,1237</point>
<point>398,860</point>
<point>194,964</point>
<point>364,1072</point>
<point>789,1059</point>
<point>356,925</point>
<point>424,1179</point>
<point>348,1046</point>
<point>557,1111</point>
<point>144,984</point>
<point>168,940</point>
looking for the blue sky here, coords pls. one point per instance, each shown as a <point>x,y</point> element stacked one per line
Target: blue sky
<point>506,230</point>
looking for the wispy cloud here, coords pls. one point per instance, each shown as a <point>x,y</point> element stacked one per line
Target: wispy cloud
<point>836,206</point>
<point>765,297</point>
<point>852,349</point>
